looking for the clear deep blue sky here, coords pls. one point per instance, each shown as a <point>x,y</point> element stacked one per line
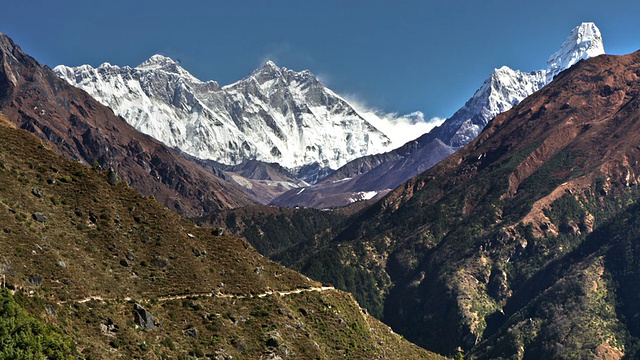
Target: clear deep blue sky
<point>397,56</point>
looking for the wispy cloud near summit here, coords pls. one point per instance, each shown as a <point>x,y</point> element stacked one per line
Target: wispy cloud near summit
<point>399,128</point>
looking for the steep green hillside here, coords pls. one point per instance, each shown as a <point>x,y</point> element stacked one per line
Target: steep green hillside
<point>123,277</point>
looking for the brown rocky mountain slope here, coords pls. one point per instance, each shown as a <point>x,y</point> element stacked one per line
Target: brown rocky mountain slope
<point>491,251</point>
<point>80,128</point>
<point>121,276</point>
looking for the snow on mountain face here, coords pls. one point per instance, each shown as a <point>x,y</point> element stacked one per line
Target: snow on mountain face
<point>505,88</point>
<point>585,41</point>
<point>274,115</point>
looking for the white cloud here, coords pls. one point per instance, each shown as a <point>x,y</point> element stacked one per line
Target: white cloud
<point>399,128</point>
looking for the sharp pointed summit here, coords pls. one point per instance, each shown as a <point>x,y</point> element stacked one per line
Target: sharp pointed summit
<point>157,61</point>
<point>271,64</point>
<point>585,41</point>
<point>506,87</point>
<point>268,71</point>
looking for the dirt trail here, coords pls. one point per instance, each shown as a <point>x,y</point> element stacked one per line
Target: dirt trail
<point>208,294</point>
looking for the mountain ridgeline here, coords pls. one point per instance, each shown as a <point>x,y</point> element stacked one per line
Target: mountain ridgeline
<point>275,115</point>
<point>521,244</point>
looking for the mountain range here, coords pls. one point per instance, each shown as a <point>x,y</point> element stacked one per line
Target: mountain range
<point>275,115</point>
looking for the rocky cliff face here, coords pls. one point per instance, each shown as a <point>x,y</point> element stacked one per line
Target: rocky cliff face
<point>34,98</point>
<point>275,115</point>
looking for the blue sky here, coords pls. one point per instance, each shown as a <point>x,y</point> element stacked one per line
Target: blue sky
<point>396,56</point>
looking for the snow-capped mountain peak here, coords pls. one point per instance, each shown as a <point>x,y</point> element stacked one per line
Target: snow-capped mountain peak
<point>158,61</point>
<point>273,115</point>
<point>270,64</point>
<point>270,74</point>
<point>269,69</point>
<point>506,87</point>
<point>585,41</point>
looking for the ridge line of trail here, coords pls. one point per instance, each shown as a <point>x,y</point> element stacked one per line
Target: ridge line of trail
<point>216,294</point>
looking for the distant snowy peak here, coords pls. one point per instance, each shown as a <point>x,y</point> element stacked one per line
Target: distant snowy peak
<point>506,87</point>
<point>158,61</point>
<point>273,115</point>
<point>267,72</point>
<point>585,41</point>
<point>301,105</point>
<point>166,64</point>
<point>500,92</point>
<point>271,77</point>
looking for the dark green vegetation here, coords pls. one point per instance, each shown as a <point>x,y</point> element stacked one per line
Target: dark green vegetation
<point>521,245</point>
<point>24,336</point>
<point>81,253</point>
<point>272,230</point>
